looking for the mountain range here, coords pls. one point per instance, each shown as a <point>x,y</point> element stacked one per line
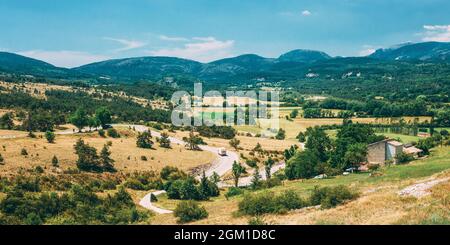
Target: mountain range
<point>291,65</point>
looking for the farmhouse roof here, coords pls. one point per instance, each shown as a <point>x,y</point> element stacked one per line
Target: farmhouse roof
<point>412,150</point>
<point>395,143</point>
<point>378,142</point>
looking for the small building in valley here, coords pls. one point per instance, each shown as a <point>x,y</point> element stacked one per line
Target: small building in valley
<point>382,151</point>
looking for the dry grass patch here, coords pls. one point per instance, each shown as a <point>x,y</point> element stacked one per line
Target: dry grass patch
<point>124,151</point>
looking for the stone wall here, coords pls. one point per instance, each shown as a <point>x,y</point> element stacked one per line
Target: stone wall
<point>377,153</point>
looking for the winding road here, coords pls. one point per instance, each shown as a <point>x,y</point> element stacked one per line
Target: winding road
<point>221,165</point>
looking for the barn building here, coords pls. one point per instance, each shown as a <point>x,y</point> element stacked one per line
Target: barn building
<point>382,151</point>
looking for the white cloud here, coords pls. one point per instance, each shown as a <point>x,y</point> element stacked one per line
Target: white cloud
<point>438,33</point>
<point>173,39</point>
<point>292,14</point>
<point>127,44</point>
<point>64,58</point>
<point>306,13</point>
<point>202,49</point>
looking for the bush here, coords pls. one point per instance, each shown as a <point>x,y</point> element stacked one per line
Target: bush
<point>24,152</point>
<point>188,211</point>
<point>281,135</point>
<point>153,198</point>
<point>55,161</point>
<point>39,170</point>
<point>144,158</point>
<point>257,221</point>
<point>329,197</point>
<point>101,132</point>
<point>272,182</point>
<point>135,184</point>
<point>144,140</point>
<point>50,136</point>
<point>233,191</point>
<point>403,158</point>
<point>251,163</point>
<point>113,133</point>
<point>373,167</point>
<point>171,173</point>
<point>109,184</point>
<point>267,202</point>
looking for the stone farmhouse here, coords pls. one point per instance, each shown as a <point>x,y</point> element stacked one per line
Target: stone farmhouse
<point>386,150</point>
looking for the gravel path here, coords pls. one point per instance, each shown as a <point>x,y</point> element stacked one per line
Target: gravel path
<point>147,203</point>
<point>421,189</point>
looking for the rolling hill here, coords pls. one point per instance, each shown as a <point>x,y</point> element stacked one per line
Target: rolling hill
<point>18,64</point>
<point>291,66</point>
<point>428,51</point>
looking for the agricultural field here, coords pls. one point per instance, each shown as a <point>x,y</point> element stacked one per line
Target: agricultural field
<point>297,125</point>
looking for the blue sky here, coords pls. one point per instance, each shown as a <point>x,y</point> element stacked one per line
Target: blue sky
<point>71,33</point>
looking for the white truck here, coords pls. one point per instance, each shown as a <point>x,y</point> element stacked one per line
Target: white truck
<point>222,152</point>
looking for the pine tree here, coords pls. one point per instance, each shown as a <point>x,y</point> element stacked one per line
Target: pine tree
<point>204,187</point>
<point>55,161</point>
<point>144,140</point>
<point>106,161</point>
<point>88,159</point>
<point>268,167</point>
<point>215,178</point>
<point>256,179</point>
<point>237,171</point>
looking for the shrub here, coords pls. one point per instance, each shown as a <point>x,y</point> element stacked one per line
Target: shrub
<point>50,136</point>
<point>113,133</point>
<point>55,161</point>
<point>188,211</point>
<point>24,152</point>
<point>153,198</point>
<point>272,182</point>
<point>135,184</point>
<point>184,189</point>
<point>144,158</point>
<point>281,135</point>
<point>373,167</point>
<point>251,163</point>
<point>144,140</point>
<point>109,184</point>
<point>403,158</point>
<point>2,161</point>
<point>267,202</point>
<point>27,184</point>
<point>290,200</point>
<point>101,132</point>
<point>171,173</point>
<point>329,197</point>
<point>233,191</point>
<point>256,221</point>
<point>39,170</point>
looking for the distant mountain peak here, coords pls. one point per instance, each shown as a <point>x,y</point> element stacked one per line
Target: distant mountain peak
<point>303,55</point>
<point>426,51</point>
